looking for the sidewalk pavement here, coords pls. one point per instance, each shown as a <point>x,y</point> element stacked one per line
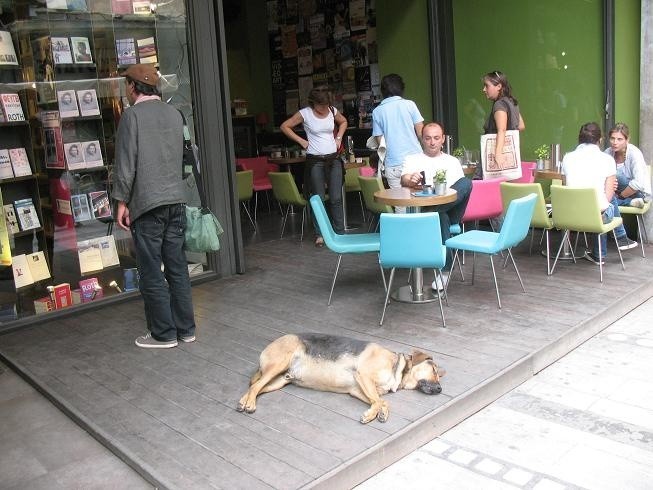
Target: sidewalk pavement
<point>586,421</point>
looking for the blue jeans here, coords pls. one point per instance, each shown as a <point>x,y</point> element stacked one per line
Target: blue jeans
<point>608,215</point>
<point>622,183</point>
<point>452,213</point>
<point>328,171</point>
<point>159,238</point>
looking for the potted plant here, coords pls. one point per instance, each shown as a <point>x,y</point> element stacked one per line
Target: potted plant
<point>542,155</point>
<point>440,182</point>
<point>459,153</point>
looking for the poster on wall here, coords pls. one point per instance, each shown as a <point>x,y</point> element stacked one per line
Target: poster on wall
<point>305,60</point>
<point>317,30</point>
<point>289,41</point>
<point>273,15</point>
<point>357,15</point>
<point>305,86</point>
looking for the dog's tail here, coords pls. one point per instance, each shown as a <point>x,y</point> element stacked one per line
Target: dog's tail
<point>255,377</point>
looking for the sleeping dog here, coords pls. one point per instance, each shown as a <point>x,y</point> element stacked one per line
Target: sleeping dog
<point>365,370</point>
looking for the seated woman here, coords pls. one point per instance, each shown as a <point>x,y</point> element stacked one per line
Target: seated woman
<point>633,184</point>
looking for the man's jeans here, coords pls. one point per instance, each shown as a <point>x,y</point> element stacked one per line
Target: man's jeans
<point>159,238</point>
<point>622,183</point>
<point>393,176</point>
<point>608,215</point>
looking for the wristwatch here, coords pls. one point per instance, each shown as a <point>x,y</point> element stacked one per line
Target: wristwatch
<point>338,137</point>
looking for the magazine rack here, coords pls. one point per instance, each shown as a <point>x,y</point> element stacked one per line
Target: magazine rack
<point>70,57</point>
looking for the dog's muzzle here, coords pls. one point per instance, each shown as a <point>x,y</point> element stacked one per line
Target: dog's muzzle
<point>429,387</point>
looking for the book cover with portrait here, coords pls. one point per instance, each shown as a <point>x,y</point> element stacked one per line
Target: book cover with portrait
<point>67,103</point>
<point>88,103</point>
<point>100,204</point>
<point>74,155</point>
<point>81,50</point>
<point>92,153</point>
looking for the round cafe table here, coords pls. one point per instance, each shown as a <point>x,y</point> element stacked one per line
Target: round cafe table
<point>416,291</point>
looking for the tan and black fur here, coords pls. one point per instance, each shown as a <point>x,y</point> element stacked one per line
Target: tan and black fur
<point>365,370</point>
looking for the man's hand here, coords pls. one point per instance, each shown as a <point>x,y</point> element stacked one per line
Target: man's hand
<point>411,180</point>
<point>122,216</point>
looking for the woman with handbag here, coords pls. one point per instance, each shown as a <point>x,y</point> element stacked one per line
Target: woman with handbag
<point>324,127</point>
<point>504,115</point>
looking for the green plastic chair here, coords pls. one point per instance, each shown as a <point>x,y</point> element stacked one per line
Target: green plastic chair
<point>285,191</point>
<point>639,216</point>
<point>369,185</point>
<point>541,219</point>
<point>577,209</point>
<point>352,185</point>
<point>245,186</point>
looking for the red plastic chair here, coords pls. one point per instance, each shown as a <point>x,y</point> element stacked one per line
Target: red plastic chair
<point>261,167</point>
<point>527,173</point>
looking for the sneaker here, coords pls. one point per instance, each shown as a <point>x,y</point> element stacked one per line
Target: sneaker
<point>148,342</point>
<point>319,242</point>
<point>437,284</point>
<point>187,339</point>
<point>638,202</point>
<point>593,258</point>
<point>625,243</point>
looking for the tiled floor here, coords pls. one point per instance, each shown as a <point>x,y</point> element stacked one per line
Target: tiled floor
<point>40,447</point>
<point>584,422</point>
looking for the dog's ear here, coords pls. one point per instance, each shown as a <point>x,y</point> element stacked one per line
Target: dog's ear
<point>419,356</point>
<point>441,371</point>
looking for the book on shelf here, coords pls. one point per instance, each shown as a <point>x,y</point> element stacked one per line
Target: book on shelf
<point>80,208</point>
<point>77,5</point>
<point>121,7</point>
<point>108,250</point>
<point>67,103</point>
<point>10,218</point>
<point>43,305</point>
<point>92,154</point>
<point>141,7</point>
<point>38,266</point>
<point>90,289</point>
<point>81,50</point>
<point>52,140</point>
<point>27,216</point>
<point>6,172</point>
<point>90,256</point>
<point>74,155</point>
<point>88,104</point>
<point>56,4</point>
<point>12,108</point>
<point>146,50</point>
<point>7,51</point>
<point>77,296</point>
<point>20,162</point>
<point>22,274</point>
<point>100,204</point>
<point>61,54</point>
<point>62,295</point>
<point>126,51</point>
<point>5,246</point>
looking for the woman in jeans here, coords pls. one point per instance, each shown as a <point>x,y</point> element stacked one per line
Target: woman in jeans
<point>324,165</point>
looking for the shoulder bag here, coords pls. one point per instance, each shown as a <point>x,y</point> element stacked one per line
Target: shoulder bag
<point>203,229</point>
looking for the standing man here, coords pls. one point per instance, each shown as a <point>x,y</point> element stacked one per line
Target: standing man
<point>148,188</point>
<point>399,121</point>
<point>430,161</point>
<point>588,166</point>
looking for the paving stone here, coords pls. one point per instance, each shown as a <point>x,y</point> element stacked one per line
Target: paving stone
<point>517,476</point>
<point>461,456</point>
<point>489,466</point>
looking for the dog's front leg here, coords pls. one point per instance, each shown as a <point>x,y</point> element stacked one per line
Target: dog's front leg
<point>378,407</point>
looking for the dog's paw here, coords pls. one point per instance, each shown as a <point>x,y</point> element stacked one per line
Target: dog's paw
<point>368,416</point>
<point>383,415</point>
<point>240,408</point>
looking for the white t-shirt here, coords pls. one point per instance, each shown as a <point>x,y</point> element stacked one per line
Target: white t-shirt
<point>588,166</point>
<point>429,165</point>
<point>319,132</point>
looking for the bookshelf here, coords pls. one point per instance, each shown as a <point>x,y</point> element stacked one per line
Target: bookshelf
<point>64,53</point>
